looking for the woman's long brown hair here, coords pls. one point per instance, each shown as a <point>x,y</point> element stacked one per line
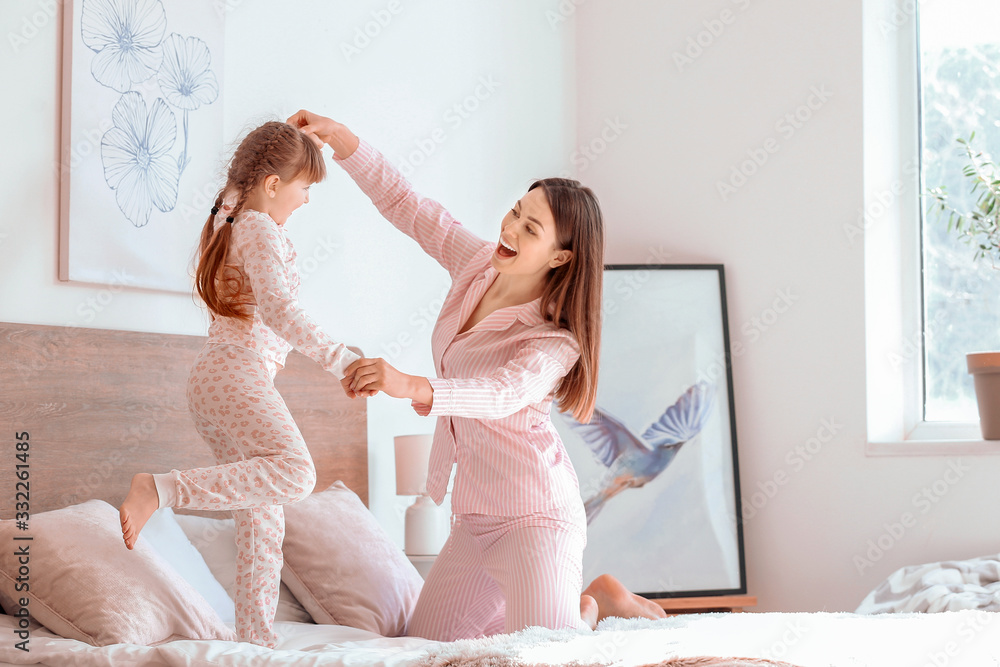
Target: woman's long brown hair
<point>273,148</point>
<point>574,294</point>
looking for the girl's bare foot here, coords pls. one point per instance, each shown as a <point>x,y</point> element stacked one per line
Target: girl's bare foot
<point>588,611</point>
<point>613,599</point>
<point>140,503</point>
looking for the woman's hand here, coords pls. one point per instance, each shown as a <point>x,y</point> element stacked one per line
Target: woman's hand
<point>341,140</point>
<point>374,375</point>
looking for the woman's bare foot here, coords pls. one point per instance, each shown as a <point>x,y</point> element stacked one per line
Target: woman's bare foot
<point>588,611</point>
<point>140,503</point>
<point>613,599</point>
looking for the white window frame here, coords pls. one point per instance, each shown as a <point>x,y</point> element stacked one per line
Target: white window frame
<point>891,233</point>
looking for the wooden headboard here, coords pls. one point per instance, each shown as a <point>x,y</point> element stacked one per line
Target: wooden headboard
<point>99,406</point>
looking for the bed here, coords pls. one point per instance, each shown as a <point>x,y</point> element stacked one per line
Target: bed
<point>88,408</point>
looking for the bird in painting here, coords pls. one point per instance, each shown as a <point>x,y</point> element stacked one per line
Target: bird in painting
<point>633,461</point>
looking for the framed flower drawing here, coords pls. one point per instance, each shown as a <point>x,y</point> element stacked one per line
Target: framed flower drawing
<point>141,138</point>
<point>657,462</point>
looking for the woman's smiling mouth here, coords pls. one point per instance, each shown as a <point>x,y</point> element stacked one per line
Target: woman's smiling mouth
<point>504,249</point>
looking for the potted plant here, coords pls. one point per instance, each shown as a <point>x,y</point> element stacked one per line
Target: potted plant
<point>980,228</point>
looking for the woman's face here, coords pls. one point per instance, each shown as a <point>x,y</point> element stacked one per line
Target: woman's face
<point>528,242</point>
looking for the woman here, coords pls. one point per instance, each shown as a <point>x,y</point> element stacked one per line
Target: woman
<point>519,328</point>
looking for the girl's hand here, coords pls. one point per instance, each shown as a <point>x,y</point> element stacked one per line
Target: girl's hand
<point>374,375</point>
<point>341,140</point>
<point>346,384</point>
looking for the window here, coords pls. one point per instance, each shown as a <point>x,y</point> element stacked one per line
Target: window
<point>959,89</point>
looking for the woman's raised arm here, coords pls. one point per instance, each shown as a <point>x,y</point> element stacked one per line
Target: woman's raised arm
<point>421,218</point>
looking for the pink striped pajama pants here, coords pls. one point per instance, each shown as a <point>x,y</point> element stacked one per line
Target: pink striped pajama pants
<point>503,574</point>
<point>263,464</point>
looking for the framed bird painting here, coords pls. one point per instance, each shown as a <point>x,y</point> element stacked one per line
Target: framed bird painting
<point>657,463</point>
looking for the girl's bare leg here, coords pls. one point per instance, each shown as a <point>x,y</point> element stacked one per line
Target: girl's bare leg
<point>139,505</point>
<point>613,599</point>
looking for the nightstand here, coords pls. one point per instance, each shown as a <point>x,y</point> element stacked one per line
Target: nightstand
<point>422,563</point>
<point>706,604</point>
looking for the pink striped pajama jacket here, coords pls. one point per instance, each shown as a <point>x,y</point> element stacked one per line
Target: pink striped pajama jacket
<point>514,556</point>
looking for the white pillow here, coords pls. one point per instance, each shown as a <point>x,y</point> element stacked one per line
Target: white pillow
<point>169,541</point>
<point>215,539</point>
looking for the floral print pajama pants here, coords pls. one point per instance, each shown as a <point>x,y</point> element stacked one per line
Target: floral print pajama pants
<point>263,464</point>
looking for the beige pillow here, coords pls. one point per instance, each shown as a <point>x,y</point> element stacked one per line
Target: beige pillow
<point>343,567</point>
<point>85,585</point>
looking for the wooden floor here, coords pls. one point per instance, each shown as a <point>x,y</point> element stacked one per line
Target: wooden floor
<point>706,604</point>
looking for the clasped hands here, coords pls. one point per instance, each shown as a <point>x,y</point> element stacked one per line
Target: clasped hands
<point>367,377</point>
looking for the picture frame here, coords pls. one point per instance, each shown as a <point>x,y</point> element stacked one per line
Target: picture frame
<point>657,464</point>
<point>141,139</point>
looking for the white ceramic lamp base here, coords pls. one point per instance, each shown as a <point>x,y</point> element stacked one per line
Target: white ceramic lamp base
<point>425,534</point>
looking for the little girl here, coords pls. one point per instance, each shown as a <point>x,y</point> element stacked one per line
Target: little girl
<point>246,275</point>
<point>519,328</point>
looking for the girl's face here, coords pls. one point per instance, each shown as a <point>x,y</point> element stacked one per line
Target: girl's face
<point>287,196</point>
<point>528,243</point>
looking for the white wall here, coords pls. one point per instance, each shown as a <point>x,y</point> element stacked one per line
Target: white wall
<point>677,132</point>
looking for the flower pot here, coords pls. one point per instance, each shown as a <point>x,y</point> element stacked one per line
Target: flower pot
<point>985,369</point>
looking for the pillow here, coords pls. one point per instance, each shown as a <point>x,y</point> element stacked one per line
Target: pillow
<point>344,568</point>
<point>215,539</point>
<point>85,585</point>
<point>169,541</point>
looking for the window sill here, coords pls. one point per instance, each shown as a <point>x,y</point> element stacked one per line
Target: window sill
<point>938,439</point>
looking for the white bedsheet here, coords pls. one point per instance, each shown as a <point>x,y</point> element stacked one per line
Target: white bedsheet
<point>300,644</point>
<point>954,639</point>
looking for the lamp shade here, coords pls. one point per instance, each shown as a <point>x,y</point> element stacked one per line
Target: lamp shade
<point>413,453</point>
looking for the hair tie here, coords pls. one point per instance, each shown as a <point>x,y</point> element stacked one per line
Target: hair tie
<point>215,209</point>
<point>230,219</point>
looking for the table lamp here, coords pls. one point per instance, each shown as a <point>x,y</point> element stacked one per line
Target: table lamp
<point>423,528</point>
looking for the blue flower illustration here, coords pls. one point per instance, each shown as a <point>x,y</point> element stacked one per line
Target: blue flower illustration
<point>126,36</point>
<point>137,163</point>
<point>186,80</point>
<point>185,77</point>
